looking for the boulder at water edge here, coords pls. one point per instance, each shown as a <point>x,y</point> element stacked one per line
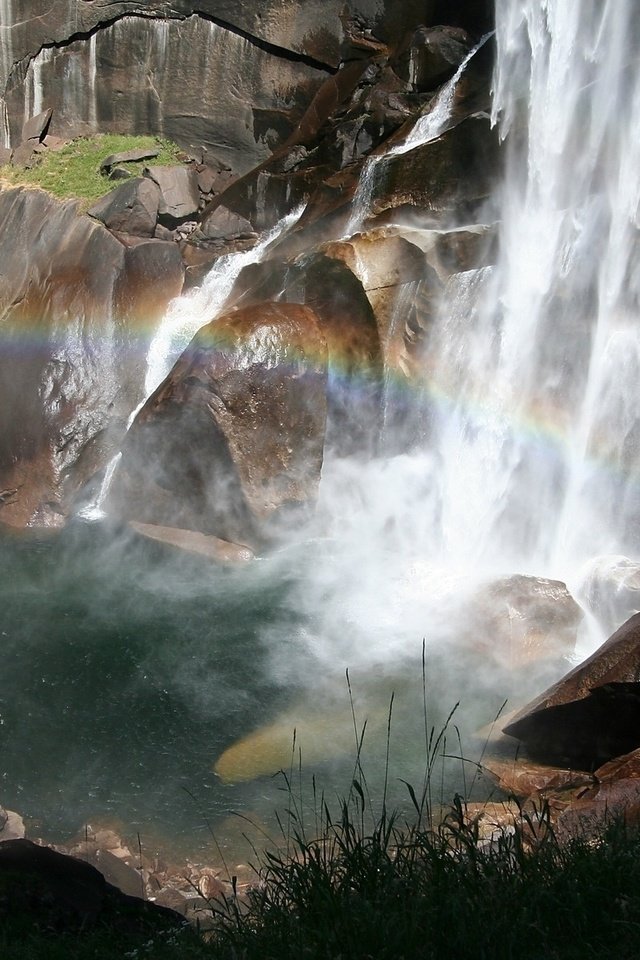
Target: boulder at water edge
<point>593,713</point>
<point>231,442</point>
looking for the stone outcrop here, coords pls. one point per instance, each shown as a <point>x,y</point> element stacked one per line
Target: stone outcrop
<point>66,307</point>
<point>130,208</point>
<point>593,713</point>
<point>231,442</point>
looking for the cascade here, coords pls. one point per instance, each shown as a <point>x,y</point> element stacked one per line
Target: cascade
<point>429,126</point>
<point>182,320</point>
<point>530,370</point>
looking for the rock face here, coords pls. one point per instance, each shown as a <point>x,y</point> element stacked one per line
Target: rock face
<point>76,360</point>
<point>231,443</point>
<point>110,66</point>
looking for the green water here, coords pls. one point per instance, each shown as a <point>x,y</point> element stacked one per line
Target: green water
<point>123,676</point>
<point>128,669</point>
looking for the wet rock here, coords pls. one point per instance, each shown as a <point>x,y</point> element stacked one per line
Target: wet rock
<point>611,590</point>
<point>348,325</point>
<point>519,620</point>
<point>224,225</point>
<point>431,55</point>
<point>583,733</point>
<point>153,275</point>
<point>608,803</point>
<point>522,777</point>
<point>126,156</point>
<point>131,208</point>
<point>220,551</point>
<point>616,661</point>
<point>179,197</point>
<point>231,442</point>
<point>77,386</point>
<point>626,767</point>
<point>36,128</point>
<point>11,825</point>
<point>5,156</point>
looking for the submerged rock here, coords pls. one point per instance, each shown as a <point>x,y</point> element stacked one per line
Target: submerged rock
<point>190,541</point>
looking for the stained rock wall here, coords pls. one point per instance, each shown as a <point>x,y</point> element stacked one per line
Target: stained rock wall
<point>74,323</point>
<point>234,78</point>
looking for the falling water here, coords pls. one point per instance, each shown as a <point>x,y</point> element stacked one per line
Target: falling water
<point>532,459</point>
<point>544,414</point>
<point>429,126</point>
<point>183,319</point>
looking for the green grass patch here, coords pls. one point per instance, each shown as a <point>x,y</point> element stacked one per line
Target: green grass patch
<point>74,171</point>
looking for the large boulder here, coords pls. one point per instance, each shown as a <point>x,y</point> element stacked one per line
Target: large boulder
<point>520,620</point>
<point>231,442</point>
<point>593,713</point>
<point>130,208</point>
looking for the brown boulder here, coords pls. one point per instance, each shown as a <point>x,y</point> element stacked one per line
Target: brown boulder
<point>616,661</point>
<point>521,619</point>
<point>524,778</point>
<point>130,208</point>
<point>583,733</point>
<point>231,442</point>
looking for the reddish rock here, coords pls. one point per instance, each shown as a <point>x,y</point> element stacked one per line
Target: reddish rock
<point>524,778</point>
<point>616,661</point>
<point>220,551</point>
<point>583,733</point>
<point>611,802</point>
<point>231,442</point>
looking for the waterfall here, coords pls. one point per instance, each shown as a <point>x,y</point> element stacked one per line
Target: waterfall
<point>529,372</point>
<point>548,421</point>
<point>183,319</point>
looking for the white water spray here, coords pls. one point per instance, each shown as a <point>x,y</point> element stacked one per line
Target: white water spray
<point>530,370</point>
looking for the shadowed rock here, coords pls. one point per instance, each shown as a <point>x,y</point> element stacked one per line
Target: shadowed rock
<point>63,894</point>
<point>231,442</point>
<point>583,733</point>
<point>179,197</point>
<point>131,208</point>
<point>36,128</point>
<point>430,56</point>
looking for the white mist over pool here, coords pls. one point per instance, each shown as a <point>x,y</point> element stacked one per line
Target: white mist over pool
<point>530,371</point>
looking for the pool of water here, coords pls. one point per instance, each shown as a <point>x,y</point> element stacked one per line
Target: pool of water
<point>128,670</point>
